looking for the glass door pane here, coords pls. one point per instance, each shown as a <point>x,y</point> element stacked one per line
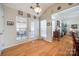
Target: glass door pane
<point>32,30</point>
<point>21,28</point>
<point>43,27</point>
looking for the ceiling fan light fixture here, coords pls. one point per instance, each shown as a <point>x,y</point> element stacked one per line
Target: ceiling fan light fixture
<point>37,10</point>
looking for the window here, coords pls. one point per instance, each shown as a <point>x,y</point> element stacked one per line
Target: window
<point>21,28</point>
<point>43,28</point>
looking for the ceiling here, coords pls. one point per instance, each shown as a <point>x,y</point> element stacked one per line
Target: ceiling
<point>67,14</point>
<point>26,7</point>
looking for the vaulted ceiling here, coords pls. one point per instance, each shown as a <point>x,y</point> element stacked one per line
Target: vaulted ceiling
<point>68,13</point>
<point>26,7</point>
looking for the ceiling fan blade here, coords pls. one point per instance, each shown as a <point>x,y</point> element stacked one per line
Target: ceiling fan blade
<point>37,4</point>
<point>31,7</point>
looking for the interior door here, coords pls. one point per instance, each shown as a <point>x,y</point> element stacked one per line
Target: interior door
<point>43,28</point>
<point>32,30</point>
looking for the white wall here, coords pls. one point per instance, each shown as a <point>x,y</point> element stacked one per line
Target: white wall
<point>10,31</point>
<point>70,21</point>
<point>49,30</point>
<point>1,26</point>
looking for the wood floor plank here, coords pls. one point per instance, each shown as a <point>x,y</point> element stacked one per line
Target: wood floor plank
<point>41,48</point>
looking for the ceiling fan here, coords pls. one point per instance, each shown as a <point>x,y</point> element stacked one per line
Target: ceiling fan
<point>36,8</point>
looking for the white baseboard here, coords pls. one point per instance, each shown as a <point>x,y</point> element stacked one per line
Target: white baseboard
<point>24,42</point>
<point>48,40</point>
<point>18,44</point>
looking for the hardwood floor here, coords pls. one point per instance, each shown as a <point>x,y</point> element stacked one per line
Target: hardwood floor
<point>41,48</point>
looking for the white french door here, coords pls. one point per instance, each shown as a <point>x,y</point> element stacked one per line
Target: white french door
<point>43,28</point>
<point>32,30</point>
